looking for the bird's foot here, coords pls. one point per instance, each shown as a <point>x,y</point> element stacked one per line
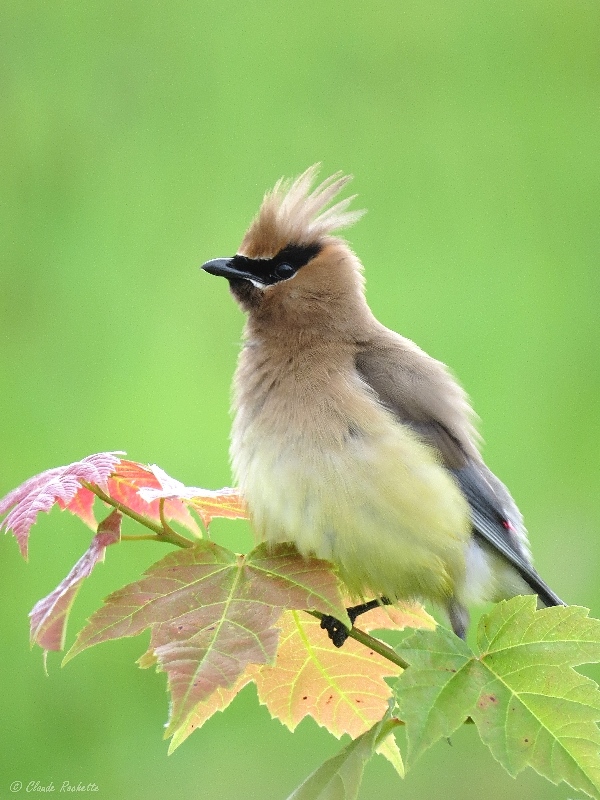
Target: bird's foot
<point>337,631</point>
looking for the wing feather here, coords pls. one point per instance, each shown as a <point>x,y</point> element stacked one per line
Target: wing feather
<point>422,394</point>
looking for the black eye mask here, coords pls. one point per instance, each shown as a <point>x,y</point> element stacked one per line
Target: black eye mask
<point>279,268</point>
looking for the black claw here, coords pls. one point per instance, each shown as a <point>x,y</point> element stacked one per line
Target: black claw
<point>337,631</point>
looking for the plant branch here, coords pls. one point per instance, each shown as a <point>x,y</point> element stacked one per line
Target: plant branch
<point>377,645</point>
<point>163,534</point>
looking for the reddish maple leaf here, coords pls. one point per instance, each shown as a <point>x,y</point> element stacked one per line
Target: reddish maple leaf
<point>344,690</point>
<point>208,504</point>
<point>49,616</point>
<point>211,613</point>
<point>58,485</point>
<point>82,505</point>
<point>219,700</point>
<point>126,485</point>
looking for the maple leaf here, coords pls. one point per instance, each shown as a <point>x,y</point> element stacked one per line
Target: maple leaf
<point>208,504</point>
<point>285,688</point>
<point>82,505</point>
<point>126,485</point>
<point>219,700</point>
<point>135,487</point>
<point>397,617</point>
<point>339,778</point>
<point>343,689</point>
<point>530,707</point>
<point>49,616</point>
<point>58,485</point>
<point>211,613</point>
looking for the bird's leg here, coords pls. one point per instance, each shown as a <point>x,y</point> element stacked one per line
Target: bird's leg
<point>337,631</point>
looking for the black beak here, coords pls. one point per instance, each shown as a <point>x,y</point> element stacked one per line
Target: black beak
<point>224,268</point>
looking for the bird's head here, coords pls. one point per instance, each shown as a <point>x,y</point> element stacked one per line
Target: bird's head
<point>289,265</point>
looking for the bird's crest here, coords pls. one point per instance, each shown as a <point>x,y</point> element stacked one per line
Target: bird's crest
<point>291,214</point>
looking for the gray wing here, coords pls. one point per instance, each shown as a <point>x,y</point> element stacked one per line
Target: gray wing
<point>422,394</point>
<point>492,522</point>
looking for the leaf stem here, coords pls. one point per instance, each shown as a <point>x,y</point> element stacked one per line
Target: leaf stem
<point>388,726</point>
<point>161,512</point>
<point>377,645</point>
<point>163,534</point>
<point>144,537</point>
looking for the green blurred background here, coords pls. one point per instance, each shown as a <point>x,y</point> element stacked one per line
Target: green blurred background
<point>137,141</point>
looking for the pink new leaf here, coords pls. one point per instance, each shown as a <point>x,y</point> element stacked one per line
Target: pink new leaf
<point>207,503</point>
<point>220,503</point>
<point>211,614</point>
<point>82,505</point>
<point>129,482</point>
<point>58,485</point>
<point>49,616</point>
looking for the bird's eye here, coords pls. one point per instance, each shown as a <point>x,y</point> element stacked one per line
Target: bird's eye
<point>284,271</point>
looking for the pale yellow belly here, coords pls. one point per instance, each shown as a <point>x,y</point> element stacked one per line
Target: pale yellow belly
<point>379,506</point>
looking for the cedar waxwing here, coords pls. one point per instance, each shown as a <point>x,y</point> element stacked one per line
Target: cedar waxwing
<point>349,440</point>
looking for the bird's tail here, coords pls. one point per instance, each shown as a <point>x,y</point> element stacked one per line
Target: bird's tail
<point>541,588</point>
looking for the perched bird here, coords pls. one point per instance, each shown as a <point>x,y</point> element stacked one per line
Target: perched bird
<point>348,439</point>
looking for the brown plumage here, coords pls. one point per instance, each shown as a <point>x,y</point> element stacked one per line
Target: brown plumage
<point>348,439</point>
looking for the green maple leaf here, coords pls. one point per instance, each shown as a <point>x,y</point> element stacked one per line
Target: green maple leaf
<point>529,705</point>
<point>339,778</point>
